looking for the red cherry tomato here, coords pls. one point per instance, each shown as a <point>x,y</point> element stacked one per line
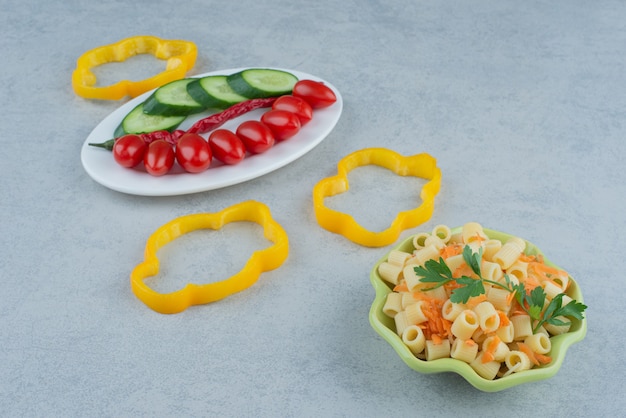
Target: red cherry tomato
<point>256,136</point>
<point>315,93</point>
<point>296,105</point>
<point>193,153</point>
<point>282,123</point>
<point>129,150</point>
<point>226,146</point>
<point>159,158</point>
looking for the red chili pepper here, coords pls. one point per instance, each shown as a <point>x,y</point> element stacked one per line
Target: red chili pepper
<point>203,125</point>
<point>215,121</point>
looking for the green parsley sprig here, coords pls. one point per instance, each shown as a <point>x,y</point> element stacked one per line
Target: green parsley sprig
<point>438,273</point>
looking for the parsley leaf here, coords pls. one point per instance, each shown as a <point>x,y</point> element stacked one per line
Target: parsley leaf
<point>473,259</point>
<point>471,287</point>
<point>434,272</point>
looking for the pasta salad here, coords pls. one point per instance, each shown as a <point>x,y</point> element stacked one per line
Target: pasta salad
<point>478,300</point>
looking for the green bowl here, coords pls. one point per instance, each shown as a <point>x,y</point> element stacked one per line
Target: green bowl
<point>386,328</point>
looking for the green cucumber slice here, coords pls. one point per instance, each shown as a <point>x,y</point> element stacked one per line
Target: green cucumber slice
<point>262,82</point>
<point>172,99</point>
<point>213,91</point>
<point>139,122</point>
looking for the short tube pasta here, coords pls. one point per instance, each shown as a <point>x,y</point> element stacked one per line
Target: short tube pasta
<point>506,333</point>
<point>490,248</point>
<point>418,240</point>
<point>429,252</point>
<point>522,327</point>
<point>393,304</point>
<point>465,324</point>
<point>391,273</point>
<point>488,318</point>
<point>539,343</point>
<point>491,271</point>
<point>517,361</point>
<point>415,314</point>
<point>501,349</point>
<point>411,279</point>
<point>413,337</point>
<point>499,298</point>
<point>451,310</point>
<point>464,350</point>
<point>558,329</point>
<point>473,231</point>
<point>435,241</point>
<point>442,231</point>
<point>435,351</point>
<point>519,269</point>
<point>398,258</point>
<point>454,262</point>
<point>487,370</point>
<point>507,255</point>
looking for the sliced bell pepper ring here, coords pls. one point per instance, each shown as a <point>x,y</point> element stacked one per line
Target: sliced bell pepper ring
<point>197,294</point>
<point>180,55</point>
<point>420,165</point>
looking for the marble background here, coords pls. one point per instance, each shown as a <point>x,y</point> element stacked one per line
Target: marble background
<point>522,104</point>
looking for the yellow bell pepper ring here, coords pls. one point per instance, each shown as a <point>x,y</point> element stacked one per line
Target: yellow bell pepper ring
<point>180,55</point>
<point>263,260</point>
<point>420,165</point>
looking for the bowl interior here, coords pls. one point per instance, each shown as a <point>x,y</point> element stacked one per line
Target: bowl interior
<point>385,327</point>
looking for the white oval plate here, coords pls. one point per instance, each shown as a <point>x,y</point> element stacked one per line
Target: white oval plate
<point>101,166</point>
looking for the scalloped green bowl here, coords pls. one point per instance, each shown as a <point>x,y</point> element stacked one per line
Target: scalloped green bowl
<point>386,328</point>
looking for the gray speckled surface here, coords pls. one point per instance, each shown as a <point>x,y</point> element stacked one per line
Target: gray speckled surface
<point>522,103</point>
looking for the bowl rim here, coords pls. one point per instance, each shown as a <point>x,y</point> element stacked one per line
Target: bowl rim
<point>560,342</point>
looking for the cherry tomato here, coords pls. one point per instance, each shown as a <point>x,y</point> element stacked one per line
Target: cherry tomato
<point>159,158</point>
<point>296,105</point>
<point>193,153</point>
<point>256,136</point>
<point>315,93</point>
<point>129,150</point>
<point>226,146</point>
<point>282,123</point>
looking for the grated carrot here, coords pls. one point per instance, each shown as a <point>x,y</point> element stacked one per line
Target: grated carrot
<point>450,250</point>
<point>401,287</point>
<point>437,328</point>
<point>534,357</point>
<point>504,319</point>
<point>463,270</point>
<point>544,270</point>
<point>474,301</point>
<point>490,350</point>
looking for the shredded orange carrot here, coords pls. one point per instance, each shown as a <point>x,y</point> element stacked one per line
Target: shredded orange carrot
<point>463,270</point>
<point>543,271</point>
<point>477,237</point>
<point>402,287</point>
<point>510,297</point>
<point>535,358</point>
<point>436,328</point>
<point>490,350</point>
<point>531,281</point>
<point>527,258</point>
<point>504,319</point>
<point>474,301</point>
<point>450,250</point>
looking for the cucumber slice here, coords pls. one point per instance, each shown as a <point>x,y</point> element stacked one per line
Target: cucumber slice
<point>213,91</point>
<point>138,122</point>
<point>172,99</point>
<point>262,82</point>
